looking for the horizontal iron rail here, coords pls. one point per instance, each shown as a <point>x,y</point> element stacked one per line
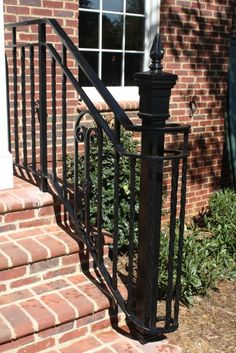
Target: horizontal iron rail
<point>171,128</point>
<point>168,128</point>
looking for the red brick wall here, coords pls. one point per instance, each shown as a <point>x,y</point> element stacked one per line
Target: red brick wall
<point>196,37</point>
<point>65,11</point>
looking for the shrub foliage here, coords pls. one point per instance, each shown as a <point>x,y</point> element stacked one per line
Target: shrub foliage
<point>209,245</point>
<point>108,172</point>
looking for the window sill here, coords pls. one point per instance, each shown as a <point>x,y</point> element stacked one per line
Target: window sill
<point>103,107</point>
<point>127,97</point>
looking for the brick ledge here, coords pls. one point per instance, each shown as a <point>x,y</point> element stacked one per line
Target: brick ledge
<point>103,107</point>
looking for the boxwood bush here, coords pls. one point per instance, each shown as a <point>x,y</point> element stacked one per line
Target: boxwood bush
<point>108,185</point>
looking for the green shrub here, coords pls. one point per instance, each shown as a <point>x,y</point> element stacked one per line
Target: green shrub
<point>108,184</point>
<point>206,260</point>
<point>221,218</point>
<point>210,256</point>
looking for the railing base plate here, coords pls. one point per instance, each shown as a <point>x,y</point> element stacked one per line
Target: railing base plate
<point>144,337</point>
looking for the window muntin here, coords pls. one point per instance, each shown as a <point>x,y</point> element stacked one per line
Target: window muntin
<point>116,47</point>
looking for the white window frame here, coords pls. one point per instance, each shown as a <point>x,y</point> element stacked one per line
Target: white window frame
<point>152,23</point>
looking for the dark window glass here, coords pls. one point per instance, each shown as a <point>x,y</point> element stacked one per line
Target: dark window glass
<point>135,6</point>
<point>133,64</point>
<point>111,69</point>
<point>92,59</point>
<point>113,5</point>
<point>112,31</point>
<point>88,30</point>
<point>134,33</point>
<point>89,4</point>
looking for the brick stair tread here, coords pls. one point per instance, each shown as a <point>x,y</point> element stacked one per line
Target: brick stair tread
<point>113,341</point>
<point>23,196</point>
<point>49,304</point>
<point>83,340</point>
<point>35,244</point>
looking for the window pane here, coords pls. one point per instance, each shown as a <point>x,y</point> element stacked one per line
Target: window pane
<point>113,5</point>
<point>89,4</point>
<point>92,59</point>
<point>134,33</point>
<point>111,69</point>
<point>133,64</point>
<point>135,6</point>
<point>88,30</point>
<point>112,31</point>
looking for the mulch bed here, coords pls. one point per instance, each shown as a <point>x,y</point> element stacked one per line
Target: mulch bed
<point>210,325</point>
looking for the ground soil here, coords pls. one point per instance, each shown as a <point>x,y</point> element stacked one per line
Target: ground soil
<point>210,325</point>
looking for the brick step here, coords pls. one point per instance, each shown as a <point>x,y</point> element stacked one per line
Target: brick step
<point>93,334</point>
<point>41,310</point>
<point>48,299</point>
<point>35,249</point>
<point>26,206</point>
<point>37,254</point>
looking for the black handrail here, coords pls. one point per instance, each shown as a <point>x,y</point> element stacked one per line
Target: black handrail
<point>84,65</point>
<point>118,112</point>
<point>97,116</point>
<point>140,306</point>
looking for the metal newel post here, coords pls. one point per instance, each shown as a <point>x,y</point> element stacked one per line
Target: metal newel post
<point>154,90</point>
<point>43,105</point>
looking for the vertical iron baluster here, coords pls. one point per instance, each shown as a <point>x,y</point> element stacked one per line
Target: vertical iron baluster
<point>64,120</point>
<point>170,265</point>
<point>87,183</point>
<point>54,119</point>
<point>16,129</point>
<point>8,105</point>
<point>100,239</point>
<point>76,176</point>
<point>43,106</point>
<point>79,137</point>
<point>131,234</point>
<point>116,208</point>
<point>181,229</point>
<point>23,110</point>
<point>32,104</point>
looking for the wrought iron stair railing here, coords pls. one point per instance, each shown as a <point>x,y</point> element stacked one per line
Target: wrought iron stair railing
<point>40,105</point>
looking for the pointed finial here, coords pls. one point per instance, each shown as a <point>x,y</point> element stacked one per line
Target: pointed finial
<point>156,54</point>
